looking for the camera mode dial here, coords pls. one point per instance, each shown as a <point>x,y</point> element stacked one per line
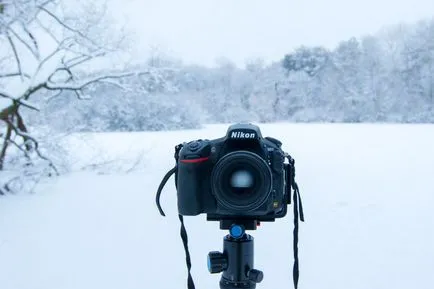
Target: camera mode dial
<point>194,145</point>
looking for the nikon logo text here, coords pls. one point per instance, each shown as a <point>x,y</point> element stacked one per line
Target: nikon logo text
<point>240,134</point>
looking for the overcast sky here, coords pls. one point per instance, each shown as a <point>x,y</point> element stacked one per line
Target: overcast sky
<point>199,31</point>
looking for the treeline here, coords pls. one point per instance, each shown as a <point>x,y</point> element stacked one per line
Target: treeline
<point>387,77</point>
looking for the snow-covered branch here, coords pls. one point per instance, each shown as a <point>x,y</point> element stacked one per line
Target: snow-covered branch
<point>17,58</point>
<point>15,101</point>
<point>85,82</point>
<point>68,27</point>
<point>6,95</point>
<point>50,53</point>
<point>34,51</point>
<point>14,74</point>
<point>50,56</point>
<point>35,145</point>
<point>83,58</point>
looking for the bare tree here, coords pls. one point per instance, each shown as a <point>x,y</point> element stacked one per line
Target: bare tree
<point>44,50</point>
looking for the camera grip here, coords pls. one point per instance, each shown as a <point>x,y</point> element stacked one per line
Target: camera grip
<point>190,178</point>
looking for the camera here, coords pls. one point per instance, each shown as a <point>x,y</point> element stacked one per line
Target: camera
<point>239,180</point>
<point>240,176</point>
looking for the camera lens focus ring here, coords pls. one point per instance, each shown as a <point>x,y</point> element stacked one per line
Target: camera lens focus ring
<point>252,186</point>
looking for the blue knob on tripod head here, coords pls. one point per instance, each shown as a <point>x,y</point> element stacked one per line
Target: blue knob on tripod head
<point>236,231</point>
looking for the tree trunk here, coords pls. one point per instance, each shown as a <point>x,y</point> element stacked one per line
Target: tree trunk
<point>22,128</point>
<point>6,115</point>
<point>5,145</point>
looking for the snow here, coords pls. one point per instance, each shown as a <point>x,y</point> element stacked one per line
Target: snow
<point>366,191</point>
<point>4,102</point>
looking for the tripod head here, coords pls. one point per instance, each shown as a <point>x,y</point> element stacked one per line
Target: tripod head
<point>236,262</point>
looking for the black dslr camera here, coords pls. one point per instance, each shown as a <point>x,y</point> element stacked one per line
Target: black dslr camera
<point>240,180</point>
<point>239,176</point>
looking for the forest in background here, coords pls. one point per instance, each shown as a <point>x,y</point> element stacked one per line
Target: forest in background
<point>63,70</point>
<point>387,77</point>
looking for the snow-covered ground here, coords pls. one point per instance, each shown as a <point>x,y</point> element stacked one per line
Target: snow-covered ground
<point>367,193</point>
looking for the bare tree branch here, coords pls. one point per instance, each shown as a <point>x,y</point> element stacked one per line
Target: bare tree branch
<point>80,95</point>
<point>68,70</point>
<point>33,39</point>
<point>27,104</point>
<point>69,27</point>
<point>35,53</point>
<point>25,11</point>
<point>26,137</point>
<point>57,94</point>
<point>14,74</point>
<point>31,90</point>
<point>17,58</point>
<point>48,31</point>
<point>84,83</point>
<point>6,187</point>
<point>115,83</point>
<point>6,95</point>
<point>73,62</point>
<point>19,147</point>
<point>22,134</point>
<point>22,102</point>
<point>83,58</point>
<point>50,56</point>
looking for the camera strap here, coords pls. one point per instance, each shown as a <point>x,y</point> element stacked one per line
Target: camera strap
<point>183,231</point>
<point>190,283</point>
<point>298,213</point>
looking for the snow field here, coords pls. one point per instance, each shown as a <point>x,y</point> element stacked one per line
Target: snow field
<point>366,192</point>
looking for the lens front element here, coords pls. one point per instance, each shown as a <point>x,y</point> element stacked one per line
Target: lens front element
<point>241,181</point>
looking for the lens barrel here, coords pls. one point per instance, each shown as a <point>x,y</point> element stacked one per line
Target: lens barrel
<point>241,181</point>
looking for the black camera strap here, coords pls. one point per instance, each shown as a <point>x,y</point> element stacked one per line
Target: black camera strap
<point>160,189</point>
<point>183,231</point>
<point>184,237</point>
<point>298,213</point>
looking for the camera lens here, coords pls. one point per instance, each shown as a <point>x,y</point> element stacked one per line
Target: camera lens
<point>241,181</point>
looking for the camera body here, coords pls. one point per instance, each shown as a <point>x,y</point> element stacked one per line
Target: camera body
<point>239,176</point>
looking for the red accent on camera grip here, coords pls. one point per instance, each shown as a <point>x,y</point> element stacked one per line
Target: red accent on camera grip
<point>198,160</point>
